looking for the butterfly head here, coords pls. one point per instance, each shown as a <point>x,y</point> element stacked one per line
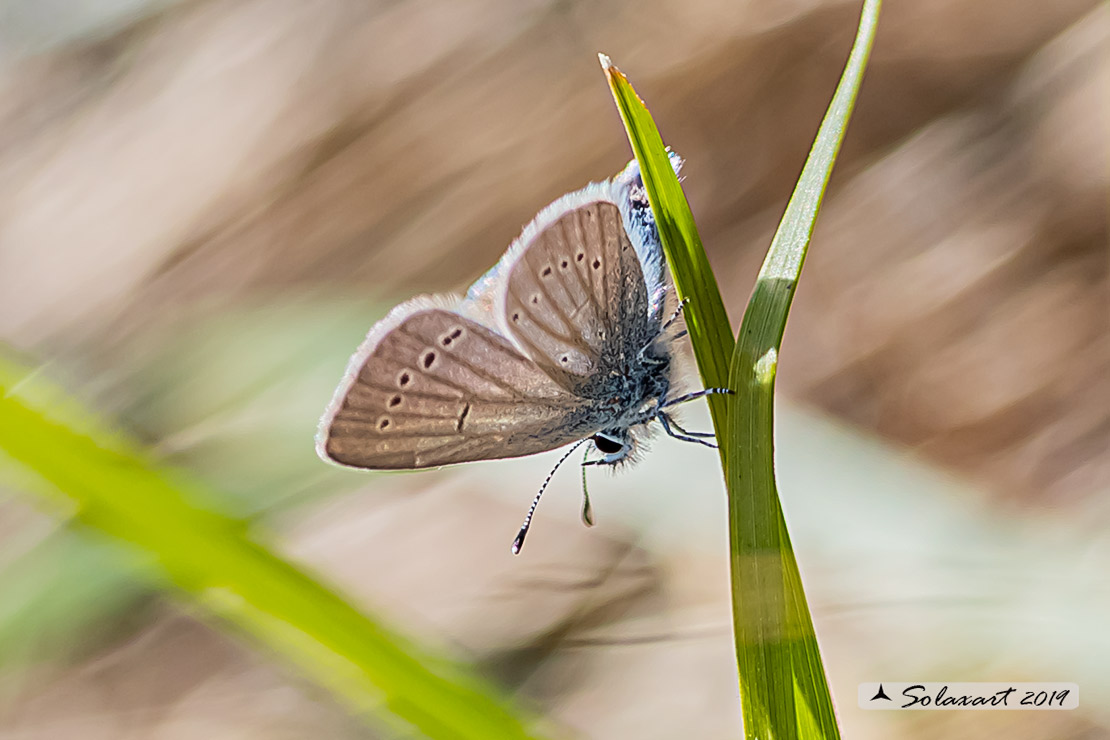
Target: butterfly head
<point>614,444</point>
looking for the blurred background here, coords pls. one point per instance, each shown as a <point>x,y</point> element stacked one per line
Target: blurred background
<point>206,204</point>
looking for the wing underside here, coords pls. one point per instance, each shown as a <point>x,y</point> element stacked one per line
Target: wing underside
<point>575,300</point>
<point>437,388</point>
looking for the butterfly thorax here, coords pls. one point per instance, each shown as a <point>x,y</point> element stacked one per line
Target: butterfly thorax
<point>637,395</point>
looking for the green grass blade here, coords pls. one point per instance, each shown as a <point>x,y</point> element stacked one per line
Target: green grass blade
<point>104,483</point>
<point>784,691</point>
<point>705,315</point>
<point>783,686</point>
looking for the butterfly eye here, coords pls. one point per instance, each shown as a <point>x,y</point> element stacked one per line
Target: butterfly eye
<point>607,445</point>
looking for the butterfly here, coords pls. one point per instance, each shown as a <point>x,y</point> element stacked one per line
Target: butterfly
<point>567,340</point>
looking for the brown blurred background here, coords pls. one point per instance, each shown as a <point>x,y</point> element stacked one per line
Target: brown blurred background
<point>203,205</point>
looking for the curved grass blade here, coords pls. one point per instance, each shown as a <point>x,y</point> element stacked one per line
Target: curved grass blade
<point>783,688</point>
<point>706,318</point>
<point>107,485</point>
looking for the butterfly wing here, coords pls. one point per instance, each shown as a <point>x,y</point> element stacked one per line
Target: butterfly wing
<point>575,298</point>
<point>431,387</point>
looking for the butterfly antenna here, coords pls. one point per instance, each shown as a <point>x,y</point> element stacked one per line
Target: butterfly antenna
<point>587,510</point>
<point>519,541</point>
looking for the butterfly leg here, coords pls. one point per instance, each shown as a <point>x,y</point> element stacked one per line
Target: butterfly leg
<point>647,353</point>
<point>666,421</point>
<point>677,313</point>
<point>687,432</point>
<point>696,395</point>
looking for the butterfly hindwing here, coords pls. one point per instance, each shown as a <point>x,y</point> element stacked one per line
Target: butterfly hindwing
<point>430,387</point>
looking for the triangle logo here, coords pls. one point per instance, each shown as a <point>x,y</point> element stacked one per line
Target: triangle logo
<point>880,694</point>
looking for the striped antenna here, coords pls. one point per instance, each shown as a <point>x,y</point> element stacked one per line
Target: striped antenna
<point>519,541</point>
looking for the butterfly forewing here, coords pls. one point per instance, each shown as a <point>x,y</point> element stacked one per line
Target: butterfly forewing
<point>438,388</point>
<point>576,299</point>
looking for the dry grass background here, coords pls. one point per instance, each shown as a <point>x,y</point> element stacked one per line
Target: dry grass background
<point>201,200</point>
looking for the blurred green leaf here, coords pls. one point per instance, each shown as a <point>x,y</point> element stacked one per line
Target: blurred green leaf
<point>109,486</point>
<point>784,692</point>
<point>59,589</point>
<point>228,395</point>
